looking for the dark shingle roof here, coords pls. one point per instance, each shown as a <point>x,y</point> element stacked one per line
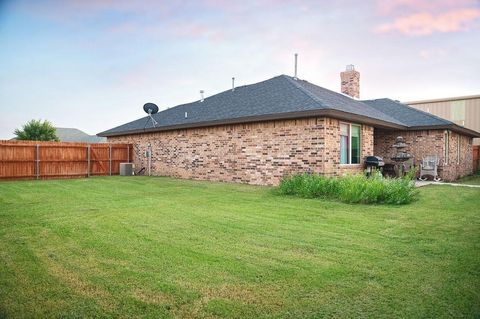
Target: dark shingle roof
<point>333,100</point>
<point>409,116</point>
<point>413,118</point>
<point>278,97</point>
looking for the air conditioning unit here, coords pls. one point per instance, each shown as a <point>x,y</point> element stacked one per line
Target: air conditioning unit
<point>126,169</point>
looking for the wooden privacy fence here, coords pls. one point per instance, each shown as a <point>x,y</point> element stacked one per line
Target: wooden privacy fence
<point>476,158</point>
<point>42,160</point>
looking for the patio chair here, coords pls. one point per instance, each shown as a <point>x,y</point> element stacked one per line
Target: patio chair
<point>429,166</point>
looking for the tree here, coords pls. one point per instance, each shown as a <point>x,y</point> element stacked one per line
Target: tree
<point>36,130</point>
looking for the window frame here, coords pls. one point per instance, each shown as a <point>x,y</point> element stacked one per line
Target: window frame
<point>349,150</point>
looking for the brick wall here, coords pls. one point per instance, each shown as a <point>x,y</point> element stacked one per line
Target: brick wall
<point>430,142</point>
<point>460,162</point>
<point>332,150</point>
<point>255,153</point>
<point>350,82</point>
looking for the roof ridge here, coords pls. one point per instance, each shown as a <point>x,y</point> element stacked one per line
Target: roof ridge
<point>303,90</point>
<point>314,97</point>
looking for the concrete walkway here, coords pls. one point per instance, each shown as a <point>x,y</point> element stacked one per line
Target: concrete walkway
<point>425,183</point>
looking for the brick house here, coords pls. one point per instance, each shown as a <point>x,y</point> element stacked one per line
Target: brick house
<point>260,132</point>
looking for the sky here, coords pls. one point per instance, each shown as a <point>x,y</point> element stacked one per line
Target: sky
<point>93,64</point>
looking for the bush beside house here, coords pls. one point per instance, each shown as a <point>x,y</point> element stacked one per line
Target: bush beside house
<point>352,188</point>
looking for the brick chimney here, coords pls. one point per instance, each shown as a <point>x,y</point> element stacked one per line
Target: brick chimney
<point>350,81</point>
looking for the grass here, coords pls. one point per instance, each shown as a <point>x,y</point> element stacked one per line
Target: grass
<point>160,248</point>
<point>375,189</point>
<point>470,180</point>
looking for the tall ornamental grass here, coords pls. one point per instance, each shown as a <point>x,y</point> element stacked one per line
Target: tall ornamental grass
<point>375,189</point>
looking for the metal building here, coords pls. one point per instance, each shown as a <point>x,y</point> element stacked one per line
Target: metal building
<point>462,110</point>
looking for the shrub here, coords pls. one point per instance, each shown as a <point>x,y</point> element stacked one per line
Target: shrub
<point>36,130</point>
<point>351,188</point>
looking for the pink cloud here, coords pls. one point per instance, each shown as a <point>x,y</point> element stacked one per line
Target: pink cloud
<point>392,7</point>
<point>424,23</point>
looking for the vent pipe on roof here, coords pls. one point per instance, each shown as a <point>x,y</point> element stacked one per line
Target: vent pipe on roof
<point>201,95</point>
<point>296,56</point>
<point>233,84</point>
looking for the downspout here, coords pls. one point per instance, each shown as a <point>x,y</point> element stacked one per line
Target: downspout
<point>324,144</point>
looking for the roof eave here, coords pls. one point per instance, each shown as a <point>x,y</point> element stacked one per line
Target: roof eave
<point>453,127</point>
<point>268,117</point>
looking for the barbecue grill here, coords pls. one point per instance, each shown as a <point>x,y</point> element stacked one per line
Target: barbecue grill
<point>374,161</point>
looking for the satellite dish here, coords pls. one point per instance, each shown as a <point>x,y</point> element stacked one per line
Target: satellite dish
<point>150,108</point>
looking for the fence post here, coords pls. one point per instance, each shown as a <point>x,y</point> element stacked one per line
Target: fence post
<point>88,160</point>
<point>110,158</point>
<point>37,161</point>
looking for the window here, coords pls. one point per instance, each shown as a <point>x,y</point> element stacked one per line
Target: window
<point>355,137</point>
<point>344,143</point>
<point>349,143</point>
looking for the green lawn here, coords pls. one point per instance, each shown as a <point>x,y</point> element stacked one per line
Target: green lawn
<point>471,180</point>
<point>159,247</point>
